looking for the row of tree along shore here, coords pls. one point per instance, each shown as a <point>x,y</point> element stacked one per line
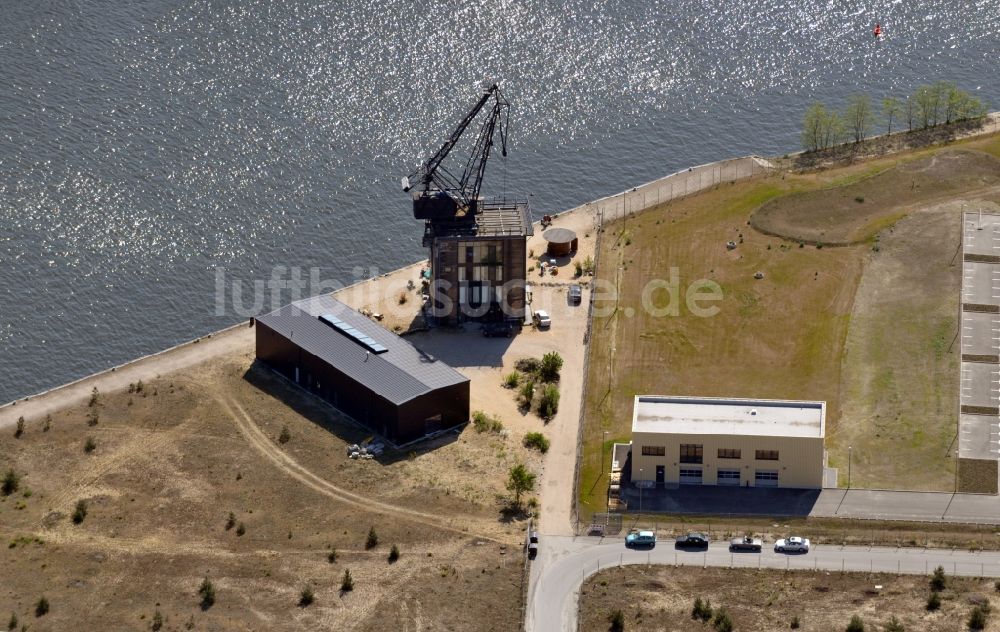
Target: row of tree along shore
<point>928,106</point>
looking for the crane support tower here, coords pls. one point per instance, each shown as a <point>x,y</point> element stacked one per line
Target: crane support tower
<point>478,247</point>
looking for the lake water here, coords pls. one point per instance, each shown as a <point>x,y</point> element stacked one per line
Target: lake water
<point>151,148</point>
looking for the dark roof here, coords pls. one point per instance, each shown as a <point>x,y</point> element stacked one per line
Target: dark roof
<point>559,235</point>
<point>398,374</point>
<point>503,218</point>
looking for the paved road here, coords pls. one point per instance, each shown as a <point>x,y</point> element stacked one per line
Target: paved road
<point>564,562</point>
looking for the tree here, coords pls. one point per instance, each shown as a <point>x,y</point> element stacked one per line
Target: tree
<point>393,554</point>
<point>372,540</point>
<point>858,116</point>
<point>723,622</point>
<point>80,512</point>
<point>938,579</point>
<point>11,481</point>
<point>933,601</point>
<point>891,109</point>
<point>41,606</point>
<point>347,583</point>
<point>157,623</point>
<point>548,405</point>
<point>13,621</point>
<point>19,429</point>
<point>977,618</point>
<point>284,436</point>
<point>527,394</point>
<point>207,593</point>
<point>307,596</point>
<point>894,625</point>
<point>910,108</point>
<point>856,624</point>
<point>519,481</point>
<point>812,127</point>
<point>551,365</point>
<point>617,620</point>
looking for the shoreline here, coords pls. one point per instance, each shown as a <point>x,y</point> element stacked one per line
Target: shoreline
<point>681,183</point>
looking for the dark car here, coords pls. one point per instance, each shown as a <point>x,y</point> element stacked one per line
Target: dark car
<point>498,330</point>
<point>575,294</point>
<point>532,545</point>
<point>692,541</point>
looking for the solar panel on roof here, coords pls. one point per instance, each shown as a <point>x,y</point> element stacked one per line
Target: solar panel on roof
<point>356,334</point>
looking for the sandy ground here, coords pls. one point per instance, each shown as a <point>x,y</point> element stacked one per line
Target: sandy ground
<point>661,599</point>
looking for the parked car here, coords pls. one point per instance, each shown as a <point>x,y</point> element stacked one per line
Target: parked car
<point>542,320</point>
<point>575,294</point>
<point>640,539</point>
<point>792,545</point>
<point>498,330</point>
<point>692,541</point>
<point>746,543</point>
<point>532,545</point>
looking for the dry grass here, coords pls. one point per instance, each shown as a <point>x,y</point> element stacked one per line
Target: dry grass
<point>660,598</point>
<point>173,461</point>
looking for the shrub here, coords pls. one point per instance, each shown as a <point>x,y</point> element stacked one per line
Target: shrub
<point>795,623</point>
<point>552,363</point>
<point>13,621</point>
<point>402,298</point>
<point>485,423</point>
<point>19,429</point>
<point>617,620</point>
<point>11,481</point>
<point>856,624</point>
<point>512,379</point>
<point>331,557</point>
<point>702,610</point>
<point>41,606</point>
<point>526,394</point>
<point>230,521</point>
<point>372,540</point>
<point>933,601</point>
<point>588,265</point>
<point>89,445</point>
<point>530,366</point>
<point>519,481</point>
<point>723,622</point>
<point>80,511</point>
<point>139,386</point>
<point>938,579</point>
<point>157,621</point>
<point>93,419</point>
<point>578,268</point>
<point>977,618</point>
<point>94,395</point>
<point>894,625</point>
<point>47,424</point>
<point>207,593</point>
<point>548,406</point>
<point>306,597</point>
<point>240,529</point>
<point>285,435</point>
<point>537,441</point>
<point>393,554</point>
<point>347,583</point>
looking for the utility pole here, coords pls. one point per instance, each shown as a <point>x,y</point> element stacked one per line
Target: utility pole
<point>848,467</point>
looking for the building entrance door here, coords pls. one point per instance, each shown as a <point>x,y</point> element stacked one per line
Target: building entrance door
<point>661,474</point>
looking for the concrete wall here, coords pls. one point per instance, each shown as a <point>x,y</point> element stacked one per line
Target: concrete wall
<point>977,476</point>
<point>799,464</point>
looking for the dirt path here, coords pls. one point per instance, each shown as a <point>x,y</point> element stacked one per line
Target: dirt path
<point>232,340</point>
<point>263,444</point>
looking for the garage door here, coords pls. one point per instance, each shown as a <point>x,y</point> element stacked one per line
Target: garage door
<point>729,477</point>
<point>691,476</point>
<point>766,478</point>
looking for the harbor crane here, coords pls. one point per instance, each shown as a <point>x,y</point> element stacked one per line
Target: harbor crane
<point>439,194</point>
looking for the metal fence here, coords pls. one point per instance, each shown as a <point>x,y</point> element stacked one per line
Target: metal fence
<point>675,186</point>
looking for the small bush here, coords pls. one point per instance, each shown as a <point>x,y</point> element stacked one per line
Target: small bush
<point>856,624</point>
<point>41,606</point>
<point>552,363</point>
<point>588,265</point>
<point>894,625</point>
<point>80,511</point>
<point>230,521</point>
<point>240,529</point>
<point>485,423</point>
<point>157,622</point>
<point>207,593</point>
<point>933,601</point>
<point>372,540</point>
<point>859,199</point>
<point>47,424</point>
<point>702,610</point>
<point>89,445</point>
<point>94,396</point>
<point>537,441</point>
<point>578,268</point>
<point>19,429</point>
<point>347,583</point>
<point>526,394</point>
<point>529,366</point>
<point>139,386</point>
<point>11,482</point>
<point>306,597</point>
<point>723,622</point>
<point>617,620</point>
<point>548,406</point>
<point>93,419</point>
<point>512,379</point>
<point>285,435</point>
<point>795,623</point>
<point>393,554</point>
<point>977,618</point>
<point>938,579</point>
<point>402,298</point>
<point>13,621</point>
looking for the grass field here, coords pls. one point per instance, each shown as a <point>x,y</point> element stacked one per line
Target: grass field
<point>171,461</point>
<point>784,336</point>
<point>661,598</point>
